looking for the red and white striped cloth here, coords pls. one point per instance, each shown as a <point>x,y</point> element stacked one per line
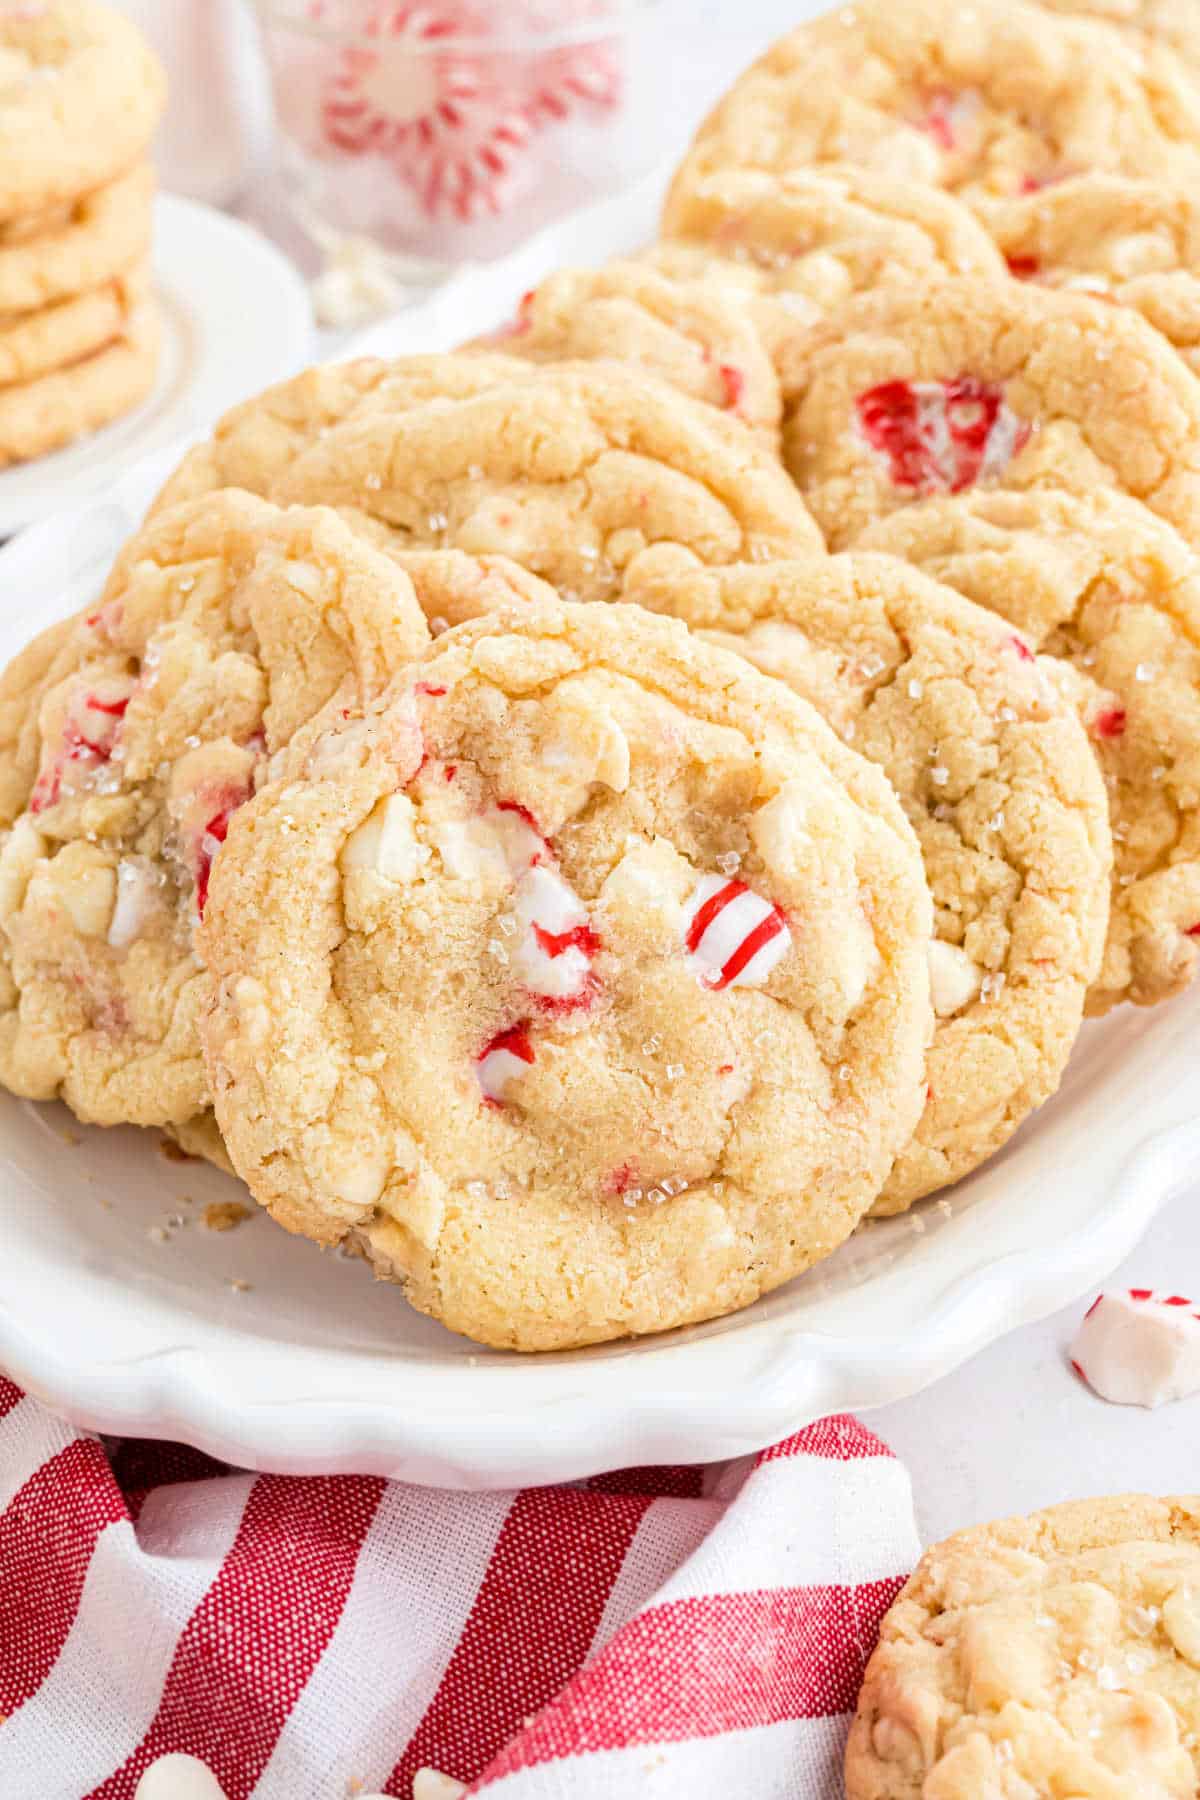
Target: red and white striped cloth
<point>664,1632</point>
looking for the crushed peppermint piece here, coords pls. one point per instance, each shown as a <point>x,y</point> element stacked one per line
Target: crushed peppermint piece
<point>731,935</point>
<point>1139,1348</point>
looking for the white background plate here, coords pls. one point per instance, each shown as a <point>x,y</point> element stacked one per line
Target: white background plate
<point>236,316</point>
<point>312,1368</point>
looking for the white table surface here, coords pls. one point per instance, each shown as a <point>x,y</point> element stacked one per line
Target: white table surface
<point>1014,1430</point>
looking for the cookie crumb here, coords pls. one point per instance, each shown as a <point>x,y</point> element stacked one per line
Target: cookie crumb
<point>224,1215</point>
<point>174,1152</point>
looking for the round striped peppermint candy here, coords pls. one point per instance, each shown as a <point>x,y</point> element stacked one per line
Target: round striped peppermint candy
<point>732,936</point>
<point>446,118</point>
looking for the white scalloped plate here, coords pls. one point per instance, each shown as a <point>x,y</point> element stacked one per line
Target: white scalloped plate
<point>256,1348</point>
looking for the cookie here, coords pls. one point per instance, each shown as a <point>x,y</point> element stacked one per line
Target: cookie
<point>582,982</point>
<point>56,408</point>
<point>80,96</point>
<point>55,337</point>
<point>691,334</point>
<point>984,99</point>
<point>955,386</point>
<point>994,773</point>
<point>254,443</point>
<point>804,242</point>
<point>573,470</point>
<point>1115,594</point>
<point>1133,242</point>
<point>45,258</point>
<point>1176,27</point>
<point>1058,1654</point>
<point>143,726</point>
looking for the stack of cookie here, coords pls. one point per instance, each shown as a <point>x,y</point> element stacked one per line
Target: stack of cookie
<point>80,96</point>
<point>585,819</point>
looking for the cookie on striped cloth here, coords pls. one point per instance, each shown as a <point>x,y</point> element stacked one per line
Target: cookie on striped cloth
<point>996,776</point>
<point>1113,594</point>
<point>911,392</point>
<point>1058,1654</point>
<point>581,981</point>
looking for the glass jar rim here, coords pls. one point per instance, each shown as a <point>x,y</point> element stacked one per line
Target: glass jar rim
<point>279,13</point>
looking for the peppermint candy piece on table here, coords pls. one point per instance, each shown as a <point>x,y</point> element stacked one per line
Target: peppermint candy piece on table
<point>451,122</point>
<point>941,436</point>
<point>732,936</point>
<point>1139,1348</point>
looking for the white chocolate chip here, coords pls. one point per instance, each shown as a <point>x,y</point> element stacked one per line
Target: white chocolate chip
<point>82,881</point>
<point>22,850</point>
<point>429,1785</point>
<point>1181,1621</point>
<point>138,897</point>
<point>177,1777</point>
<point>386,843</point>
<point>779,829</point>
<point>360,1179</point>
<point>954,980</point>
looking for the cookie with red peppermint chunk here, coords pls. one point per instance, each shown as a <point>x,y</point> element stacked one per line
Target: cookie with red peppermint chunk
<point>938,390</point>
<point>1136,243</point>
<point>255,442</point>
<point>1056,1654</point>
<point>805,241</point>
<point>694,335</point>
<point>581,981</point>
<point>572,470</point>
<point>145,723</point>
<point>996,776</point>
<point>982,99</point>
<point>1113,593</point>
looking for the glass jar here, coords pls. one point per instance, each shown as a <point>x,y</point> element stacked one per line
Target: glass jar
<point>446,131</point>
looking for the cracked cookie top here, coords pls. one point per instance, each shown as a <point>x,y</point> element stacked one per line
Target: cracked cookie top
<point>582,980</point>
<point>573,470</point>
<point>1114,594</point>
<point>129,736</point>
<point>805,241</point>
<point>997,779</point>
<point>690,333</point>
<point>959,385</point>
<point>992,98</point>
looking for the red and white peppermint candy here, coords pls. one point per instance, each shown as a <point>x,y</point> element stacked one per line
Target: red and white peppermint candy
<point>941,436</point>
<point>451,122</point>
<point>223,802</point>
<point>502,1061</point>
<point>1139,1348</point>
<point>732,936</point>
<point>88,736</point>
<point>949,116</point>
<point>555,943</point>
